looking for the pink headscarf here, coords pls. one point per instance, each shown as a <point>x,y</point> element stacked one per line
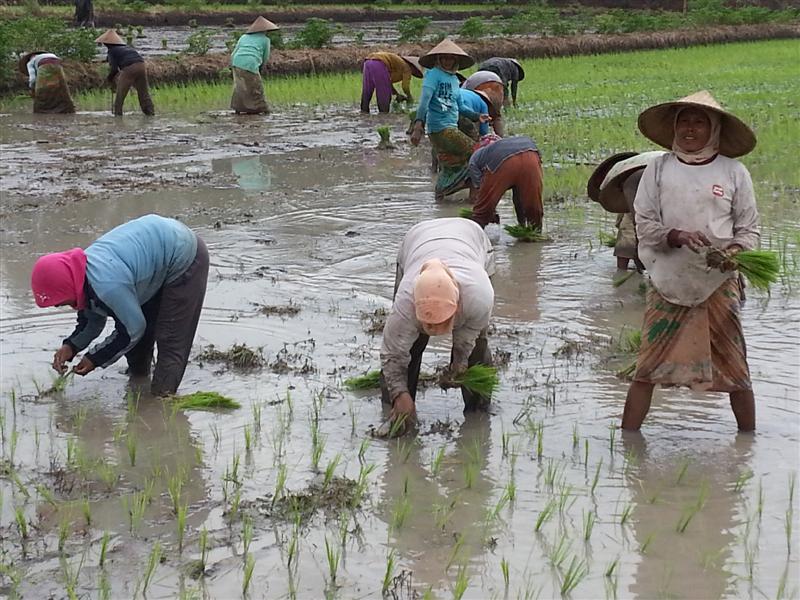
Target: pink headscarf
<point>58,278</point>
<point>712,145</point>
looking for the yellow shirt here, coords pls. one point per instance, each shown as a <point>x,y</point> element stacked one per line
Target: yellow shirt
<point>398,69</point>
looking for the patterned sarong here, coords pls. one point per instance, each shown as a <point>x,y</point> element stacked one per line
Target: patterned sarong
<point>248,93</point>
<point>701,347</point>
<point>453,150</point>
<point>51,94</point>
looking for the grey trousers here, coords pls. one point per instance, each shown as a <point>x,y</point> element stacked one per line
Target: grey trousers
<point>172,316</point>
<point>481,354</point>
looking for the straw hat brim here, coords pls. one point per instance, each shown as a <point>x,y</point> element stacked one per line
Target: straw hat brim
<point>446,46</point>
<point>261,25</point>
<point>657,124</point>
<point>485,97</point>
<point>22,64</point>
<point>413,62</point>
<point>519,68</point>
<point>600,172</point>
<point>111,38</point>
<point>611,196</point>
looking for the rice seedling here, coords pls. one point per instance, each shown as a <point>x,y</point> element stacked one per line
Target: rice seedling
<point>596,476</point>
<point>575,437</point>
<point>586,452</point>
<point>611,568</point>
<point>465,212</point>
<point>760,498</point>
<point>44,494</point>
<point>21,521</point>
<point>792,484</point>
<point>526,233</point>
<point>461,584</point>
<point>504,570</point>
<point>330,470</point>
<point>540,441</point>
<point>612,436</point>
<point>280,483</point>
<point>742,480</point>
<point>369,381</point>
<point>317,448</point>
<point>682,468</point>
<point>388,574</point>
<point>203,401</point>
<point>511,491</point>
<point>545,514</point>
<point>130,444</point>
<point>362,449</point>
<point>249,566</point>
<point>574,574</point>
<point>609,240</point>
<point>103,548</point>
<point>215,434</point>
<point>71,576</point>
<point>589,519</point>
<point>761,268</point>
<point>180,523</point>
<point>247,534</point>
<point>400,513</point>
<point>64,529</point>
<point>646,543</point>
<point>618,281</point>
<point>152,563</point>
<point>256,408</point>
<point>332,555</point>
<point>86,509</point>
<point>436,461</point>
<point>108,474</point>
<point>104,585</point>
<point>135,506</point>
<point>442,513</point>
<point>478,379</point>
<point>559,552</point>
<point>787,527</point>
<point>690,511</point>
<point>626,513</point>
<point>203,543</point>
<point>14,475</point>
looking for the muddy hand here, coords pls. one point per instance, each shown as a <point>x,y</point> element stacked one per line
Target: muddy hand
<point>84,367</point>
<point>62,356</point>
<point>416,134</point>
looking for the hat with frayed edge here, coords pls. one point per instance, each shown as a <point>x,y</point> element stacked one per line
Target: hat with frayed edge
<point>261,25</point>
<point>435,293</point>
<point>22,64</point>
<point>447,46</point>
<point>611,196</point>
<point>485,97</point>
<point>111,38</point>
<point>600,172</point>
<point>413,62</point>
<point>519,68</point>
<point>657,123</point>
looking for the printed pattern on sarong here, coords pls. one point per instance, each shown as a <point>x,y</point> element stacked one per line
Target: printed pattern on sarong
<point>453,150</point>
<point>248,93</point>
<point>51,93</point>
<point>701,347</point>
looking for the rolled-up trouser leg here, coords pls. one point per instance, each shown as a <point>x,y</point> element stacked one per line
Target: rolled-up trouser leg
<point>481,354</point>
<point>140,357</point>
<point>178,315</point>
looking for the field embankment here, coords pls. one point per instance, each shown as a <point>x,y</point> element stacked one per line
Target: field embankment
<point>186,68</point>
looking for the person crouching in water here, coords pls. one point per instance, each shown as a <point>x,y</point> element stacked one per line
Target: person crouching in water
<point>249,55</point>
<point>442,286</point>
<point>692,198</point>
<point>126,70</point>
<point>381,70</point>
<point>511,163</point>
<point>149,275</point>
<point>47,83</point>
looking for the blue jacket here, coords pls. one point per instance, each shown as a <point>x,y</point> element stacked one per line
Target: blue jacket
<point>125,268</point>
<point>476,104</point>
<point>440,101</point>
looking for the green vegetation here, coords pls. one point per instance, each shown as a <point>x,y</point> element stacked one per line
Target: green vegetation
<point>479,379</point>
<point>413,29</point>
<point>526,233</point>
<point>317,33</point>
<point>368,381</point>
<point>199,43</point>
<point>203,401</point>
<point>760,267</point>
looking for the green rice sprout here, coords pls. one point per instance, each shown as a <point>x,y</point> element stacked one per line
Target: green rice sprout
<point>22,523</point>
<point>607,239</point>
<point>545,514</point>
<point>64,529</point>
<point>465,212</point>
<point>743,478</point>
<point>462,583</point>
<point>622,279</point>
<point>646,543</point>
<point>504,570</point>
<point>332,555</point>
<point>436,461</point>
<point>203,401</point>
<point>627,373</point>
<point>626,513</point>
<point>526,233</point>
<point>369,381</point>
<point>103,548</point>
<point>589,519</point>
<point>761,268</point>
<point>247,534</point>
<point>596,476</point>
<point>575,572</point>
<point>152,563</point>
<point>479,379</point>
<point>611,568</point>
<point>330,470</point>
<point>249,566</point>
<point>388,573</point>
<point>180,523</point>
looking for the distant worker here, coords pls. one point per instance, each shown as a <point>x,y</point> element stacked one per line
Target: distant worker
<point>127,69</point>
<point>613,185</point>
<point>380,72</point>
<point>490,84</point>
<point>439,108</point>
<point>47,83</point>
<point>149,275</point>
<point>84,13</point>
<point>247,59</point>
<point>511,163</point>
<point>441,286</point>
<point>510,72</point>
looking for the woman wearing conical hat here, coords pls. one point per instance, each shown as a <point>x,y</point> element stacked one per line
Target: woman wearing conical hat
<point>695,197</point>
<point>249,55</point>
<point>46,82</point>
<point>439,107</point>
<point>127,70</point>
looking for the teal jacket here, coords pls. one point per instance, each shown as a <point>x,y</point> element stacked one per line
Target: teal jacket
<point>251,51</point>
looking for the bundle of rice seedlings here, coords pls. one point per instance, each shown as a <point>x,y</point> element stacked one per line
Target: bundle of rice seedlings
<point>479,379</point>
<point>386,143</point>
<point>203,401</point>
<point>526,233</point>
<point>607,239</point>
<point>368,381</point>
<point>627,373</point>
<point>630,341</point>
<point>465,212</point>
<point>760,267</point>
<point>622,279</point>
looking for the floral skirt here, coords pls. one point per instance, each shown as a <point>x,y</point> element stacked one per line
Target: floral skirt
<point>453,149</point>
<point>51,94</point>
<point>248,93</point>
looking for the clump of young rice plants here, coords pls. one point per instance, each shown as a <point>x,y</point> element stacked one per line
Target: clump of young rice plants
<point>465,212</point>
<point>607,239</point>
<point>247,576</point>
<point>203,401</point>
<point>761,268</point>
<point>478,379</point>
<point>526,233</point>
<point>368,381</point>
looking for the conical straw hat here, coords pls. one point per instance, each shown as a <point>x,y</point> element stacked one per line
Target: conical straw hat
<point>261,24</point>
<point>485,97</point>
<point>22,65</point>
<point>446,46</point>
<point>110,37</point>
<point>519,68</point>
<point>599,174</point>
<point>413,62</point>
<point>612,197</point>
<point>657,123</point>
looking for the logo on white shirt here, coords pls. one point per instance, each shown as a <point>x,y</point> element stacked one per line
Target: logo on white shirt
<point>717,191</point>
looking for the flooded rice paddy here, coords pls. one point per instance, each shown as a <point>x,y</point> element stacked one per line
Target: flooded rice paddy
<point>106,493</point>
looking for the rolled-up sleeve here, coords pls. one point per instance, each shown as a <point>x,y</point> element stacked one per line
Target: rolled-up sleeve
<point>650,229</point>
<point>399,335</point>
<point>746,230</point>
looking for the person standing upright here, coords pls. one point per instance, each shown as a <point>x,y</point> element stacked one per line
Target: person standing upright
<point>248,57</point>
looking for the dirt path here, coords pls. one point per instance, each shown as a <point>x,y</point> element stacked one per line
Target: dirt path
<point>211,67</point>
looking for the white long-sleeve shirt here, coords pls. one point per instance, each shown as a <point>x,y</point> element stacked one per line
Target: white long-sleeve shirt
<point>462,245</point>
<point>33,67</point>
<point>716,198</point>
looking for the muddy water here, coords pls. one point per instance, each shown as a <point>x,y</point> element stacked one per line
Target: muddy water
<point>312,216</point>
